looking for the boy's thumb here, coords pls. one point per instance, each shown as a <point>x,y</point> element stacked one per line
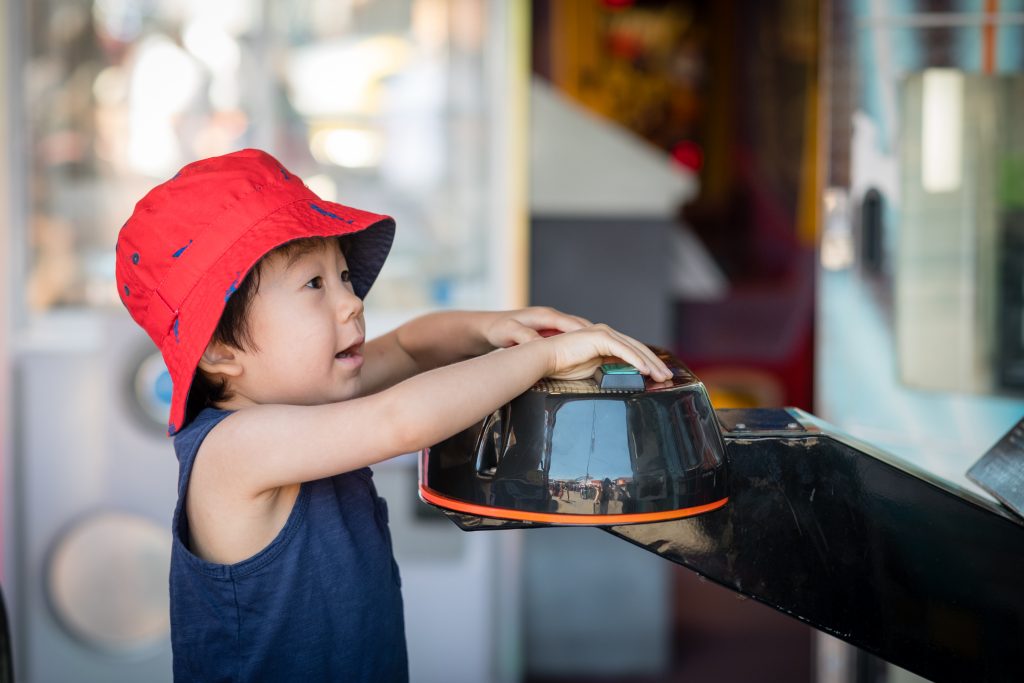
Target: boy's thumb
<point>524,333</point>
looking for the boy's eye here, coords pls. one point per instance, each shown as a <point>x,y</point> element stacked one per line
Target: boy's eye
<point>316,283</point>
<point>344,276</point>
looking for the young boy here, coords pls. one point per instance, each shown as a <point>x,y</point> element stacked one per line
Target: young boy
<point>252,287</point>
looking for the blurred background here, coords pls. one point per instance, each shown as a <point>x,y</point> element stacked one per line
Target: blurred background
<point>813,203</point>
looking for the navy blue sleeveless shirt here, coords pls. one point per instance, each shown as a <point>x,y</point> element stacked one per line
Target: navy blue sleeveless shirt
<point>322,602</point>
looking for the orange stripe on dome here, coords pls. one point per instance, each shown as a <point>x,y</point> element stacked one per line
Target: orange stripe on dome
<point>435,498</point>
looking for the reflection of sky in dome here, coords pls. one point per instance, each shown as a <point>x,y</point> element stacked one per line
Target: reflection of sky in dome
<point>581,424</point>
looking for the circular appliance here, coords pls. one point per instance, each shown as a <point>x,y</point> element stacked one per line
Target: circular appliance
<point>616,448</point>
<point>107,582</point>
<point>152,388</point>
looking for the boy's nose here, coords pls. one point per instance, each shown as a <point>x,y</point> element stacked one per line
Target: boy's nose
<point>349,306</point>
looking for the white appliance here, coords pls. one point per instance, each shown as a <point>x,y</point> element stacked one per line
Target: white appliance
<point>433,126</point>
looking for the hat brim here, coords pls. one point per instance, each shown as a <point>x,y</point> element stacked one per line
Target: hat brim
<point>200,311</point>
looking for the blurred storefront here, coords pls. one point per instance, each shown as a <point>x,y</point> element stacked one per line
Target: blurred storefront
<point>664,203</point>
<point>812,204</point>
<point>919,306</point>
<point>415,108</point>
<point>854,188</point>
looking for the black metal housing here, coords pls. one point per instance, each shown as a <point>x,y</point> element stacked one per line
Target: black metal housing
<point>856,543</point>
<point>570,452</point>
<point>861,546</point>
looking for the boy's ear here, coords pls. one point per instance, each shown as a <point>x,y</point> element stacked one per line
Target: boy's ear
<point>220,359</point>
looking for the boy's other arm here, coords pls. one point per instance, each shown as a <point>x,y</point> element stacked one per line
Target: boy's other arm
<point>264,447</point>
<point>441,338</point>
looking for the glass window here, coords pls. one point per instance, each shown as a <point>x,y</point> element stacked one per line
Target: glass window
<point>382,104</point>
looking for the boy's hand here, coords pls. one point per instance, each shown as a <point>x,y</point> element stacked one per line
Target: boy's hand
<point>578,354</point>
<point>508,328</point>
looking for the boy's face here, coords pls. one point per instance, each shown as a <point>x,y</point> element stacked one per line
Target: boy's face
<point>308,329</point>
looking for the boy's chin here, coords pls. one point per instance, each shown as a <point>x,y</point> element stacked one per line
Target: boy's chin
<point>351,389</point>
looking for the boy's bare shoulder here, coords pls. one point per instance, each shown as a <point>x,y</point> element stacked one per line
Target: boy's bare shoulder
<point>251,428</point>
<point>241,441</point>
<point>232,516</point>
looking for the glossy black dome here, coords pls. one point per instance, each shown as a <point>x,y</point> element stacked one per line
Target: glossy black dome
<point>571,452</point>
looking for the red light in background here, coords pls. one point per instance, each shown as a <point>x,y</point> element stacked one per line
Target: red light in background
<point>618,4</point>
<point>625,45</point>
<point>689,154</point>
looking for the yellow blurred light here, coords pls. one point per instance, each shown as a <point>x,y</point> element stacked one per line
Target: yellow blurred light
<point>163,82</point>
<point>430,23</point>
<point>212,45</point>
<point>347,147</point>
<point>341,77</point>
<point>233,16</point>
<point>110,86</point>
<point>324,187</point>
<point>942,130</point>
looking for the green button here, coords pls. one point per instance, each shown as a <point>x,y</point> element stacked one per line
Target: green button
<point>619,369</point>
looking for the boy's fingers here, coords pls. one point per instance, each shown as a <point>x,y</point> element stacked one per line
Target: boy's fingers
<point>655,362</point>
<point>630,350</point>
<point>663,370</point>
<point>524,333</point>
<point>549,317</point>
<point>631,354</point>
<point>654,365</point>
<point>520,334</point>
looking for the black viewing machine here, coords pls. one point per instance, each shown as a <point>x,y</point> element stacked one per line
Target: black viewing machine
<point>772,503</point>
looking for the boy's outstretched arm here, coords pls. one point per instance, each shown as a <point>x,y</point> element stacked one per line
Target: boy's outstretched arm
<point>438,339</point>
<point>262,448</point>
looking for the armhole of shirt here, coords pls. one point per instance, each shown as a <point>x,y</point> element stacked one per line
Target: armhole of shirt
<point>252,563</point>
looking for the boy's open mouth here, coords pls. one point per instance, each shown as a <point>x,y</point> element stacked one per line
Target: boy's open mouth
<point>351,351</point>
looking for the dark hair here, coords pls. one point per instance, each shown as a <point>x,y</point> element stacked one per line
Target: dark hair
<point>233,326</point>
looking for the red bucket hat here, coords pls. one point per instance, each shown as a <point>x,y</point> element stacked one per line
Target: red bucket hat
<point>191,240</point>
